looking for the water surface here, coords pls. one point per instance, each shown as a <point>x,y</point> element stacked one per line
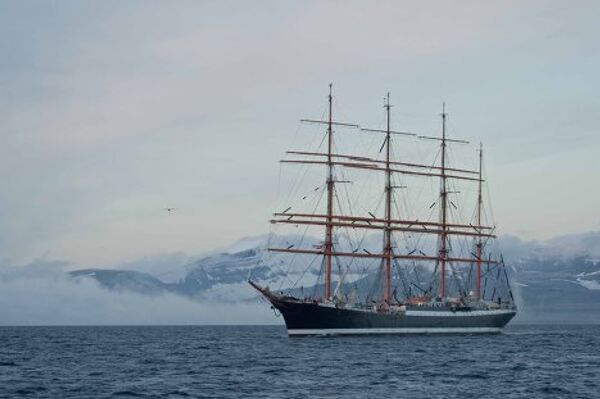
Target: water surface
<point>262,362</point>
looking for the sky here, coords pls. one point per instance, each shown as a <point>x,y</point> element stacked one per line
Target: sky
<point>111,111</point>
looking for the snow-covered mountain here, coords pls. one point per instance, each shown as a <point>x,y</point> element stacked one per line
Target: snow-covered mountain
<point>554,279</point>
<point>558,278</point>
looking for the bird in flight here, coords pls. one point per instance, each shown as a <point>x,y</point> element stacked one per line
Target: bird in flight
<point>170,209</point>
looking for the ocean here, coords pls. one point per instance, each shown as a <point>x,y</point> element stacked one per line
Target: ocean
<point>534,361</point>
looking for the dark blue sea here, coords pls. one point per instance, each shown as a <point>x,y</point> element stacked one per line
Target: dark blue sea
<point>262,362</point>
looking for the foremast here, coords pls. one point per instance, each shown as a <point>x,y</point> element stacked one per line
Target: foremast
<point>387,233</point>
<point>328,244</point>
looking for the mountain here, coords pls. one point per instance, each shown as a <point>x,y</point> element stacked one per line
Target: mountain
<point>125,280</point>
<point>553,280</point>
<point>559,279</point>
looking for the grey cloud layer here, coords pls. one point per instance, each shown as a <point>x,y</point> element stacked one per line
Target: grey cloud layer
<point>111,111</point>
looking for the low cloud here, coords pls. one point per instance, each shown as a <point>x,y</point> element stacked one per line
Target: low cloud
<point>42,294</point>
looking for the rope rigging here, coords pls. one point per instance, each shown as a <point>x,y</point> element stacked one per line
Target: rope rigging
<point>409,248</point>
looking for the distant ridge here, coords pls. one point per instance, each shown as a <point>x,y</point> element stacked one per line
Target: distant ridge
<point>549,284</point>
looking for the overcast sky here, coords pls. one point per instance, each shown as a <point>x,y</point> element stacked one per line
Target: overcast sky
<point>111,111</point>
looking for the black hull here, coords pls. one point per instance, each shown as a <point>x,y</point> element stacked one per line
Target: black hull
<point>302,318</point>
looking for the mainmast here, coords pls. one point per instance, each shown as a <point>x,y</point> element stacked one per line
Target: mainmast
<point>478,222</point>
<point>387,234</point>
<point>443,251</point>
<point>328,245</point>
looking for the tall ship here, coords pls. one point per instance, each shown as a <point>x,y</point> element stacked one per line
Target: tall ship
<point>394,243</point>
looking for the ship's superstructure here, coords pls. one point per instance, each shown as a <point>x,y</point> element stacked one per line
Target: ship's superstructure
<point>408,303</point>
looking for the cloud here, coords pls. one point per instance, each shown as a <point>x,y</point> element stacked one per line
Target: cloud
<point>109,114</point>
<point>42,294</point>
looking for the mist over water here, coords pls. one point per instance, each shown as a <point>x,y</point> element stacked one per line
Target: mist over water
<point>262,362</point>
<point>43,294</point>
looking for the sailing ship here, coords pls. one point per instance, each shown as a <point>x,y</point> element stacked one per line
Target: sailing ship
<point>467,292</point>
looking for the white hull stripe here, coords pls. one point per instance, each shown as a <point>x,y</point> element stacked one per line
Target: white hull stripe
<point>415,330</point>
<point>446,313</point>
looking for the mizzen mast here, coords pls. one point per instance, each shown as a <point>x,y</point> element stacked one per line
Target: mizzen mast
<point>443,251</point>
<point>479,246</point>
<point>444,226</point>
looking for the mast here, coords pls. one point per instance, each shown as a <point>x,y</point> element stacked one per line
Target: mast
<point>328,245</point>
<point>443,254</point>
<point>387,234</point>
<point>329,220</point>
<point>478,222</point>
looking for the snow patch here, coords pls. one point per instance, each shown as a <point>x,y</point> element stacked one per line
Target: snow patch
<point>589,284</point>
<point>588,274</point>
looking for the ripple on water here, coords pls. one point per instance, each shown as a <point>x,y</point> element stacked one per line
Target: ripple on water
<point>554,390</point>
<point>8,364</point>
<point>519,367</point>
<point>232,362</point>
<point>127,393</point>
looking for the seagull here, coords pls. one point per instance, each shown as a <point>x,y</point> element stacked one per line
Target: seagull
<point>170,209</point>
